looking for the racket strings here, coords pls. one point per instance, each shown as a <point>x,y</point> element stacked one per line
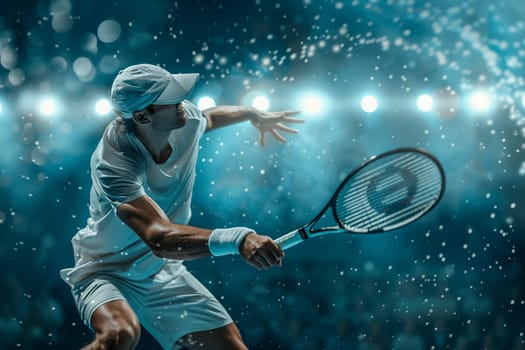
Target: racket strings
<point>398,218</point>
<point>371,218</point>
<point>389,193</point>
<point>382,166</point>
<point>358,188</point>
<point>402,190</point>
<point>425,185</point>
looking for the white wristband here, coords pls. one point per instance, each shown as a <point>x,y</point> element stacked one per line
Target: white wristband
<point>224,241</point>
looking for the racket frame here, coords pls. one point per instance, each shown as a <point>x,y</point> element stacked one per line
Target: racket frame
<point>307,231</point>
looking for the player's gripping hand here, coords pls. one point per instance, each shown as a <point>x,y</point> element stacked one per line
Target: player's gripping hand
<point>261,251</point>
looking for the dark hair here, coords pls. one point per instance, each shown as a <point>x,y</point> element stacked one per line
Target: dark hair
<point>126,125</point>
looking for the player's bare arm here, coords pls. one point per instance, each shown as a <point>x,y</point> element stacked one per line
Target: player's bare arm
<point>184,242</point>
<point>273,122</point>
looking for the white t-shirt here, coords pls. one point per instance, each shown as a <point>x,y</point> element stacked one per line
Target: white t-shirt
<point>122,170</point>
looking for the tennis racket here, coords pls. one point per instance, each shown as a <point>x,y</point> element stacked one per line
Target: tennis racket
<point>385,193</point>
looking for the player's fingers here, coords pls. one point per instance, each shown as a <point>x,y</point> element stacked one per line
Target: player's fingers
<point>291,113</point>
<point>276,253</point>
<point>278,136</point>
<point>261,138</point>
<point>262,261</point>
<point>286,128</point>
<point>271,253</point>
<point>254,260</point>
<point>292,120</point>
<point>254,264</point>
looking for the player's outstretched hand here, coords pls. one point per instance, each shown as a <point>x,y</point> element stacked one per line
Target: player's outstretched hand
<point>273,122</point>
<point>261,251</point>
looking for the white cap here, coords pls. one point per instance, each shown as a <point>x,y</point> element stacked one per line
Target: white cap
<point>179,87</point>
<point>141,85</point>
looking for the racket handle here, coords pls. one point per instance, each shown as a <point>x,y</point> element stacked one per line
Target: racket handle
<point>289,240</point>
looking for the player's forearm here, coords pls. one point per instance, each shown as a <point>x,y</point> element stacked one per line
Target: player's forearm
<point>180,242</point>
<point>220,116</point>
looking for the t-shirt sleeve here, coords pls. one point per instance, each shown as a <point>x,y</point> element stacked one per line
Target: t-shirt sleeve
<point>193,112</point>
<point>118,175</point>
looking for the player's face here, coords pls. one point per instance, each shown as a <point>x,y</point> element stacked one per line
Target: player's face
<point>168,117</point>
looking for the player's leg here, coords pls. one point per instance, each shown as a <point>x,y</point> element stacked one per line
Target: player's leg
<point>227,338</point>
<point>116,327</point>
<point>174,304</point>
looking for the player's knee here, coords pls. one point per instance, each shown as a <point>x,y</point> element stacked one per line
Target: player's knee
<point>121,334</point>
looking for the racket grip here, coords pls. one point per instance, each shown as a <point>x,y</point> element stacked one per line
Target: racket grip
<point>289,240</point>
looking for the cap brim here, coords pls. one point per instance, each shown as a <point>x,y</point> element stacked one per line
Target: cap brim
<point>178,89</point>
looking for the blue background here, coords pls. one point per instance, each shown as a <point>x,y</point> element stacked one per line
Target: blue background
<point>453,280</point>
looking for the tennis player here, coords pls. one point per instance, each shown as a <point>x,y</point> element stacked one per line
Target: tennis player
<point>129,258</point>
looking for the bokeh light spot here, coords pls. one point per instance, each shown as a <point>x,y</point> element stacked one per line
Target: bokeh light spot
<point>48,106</point>
<point>312,104</point>
<point>261,103</point>
<point>425,103</point>
<point>205,103</point>
<point>480,101</point>
<point>369,104</point>
<point>62,21</point>
<point>103,107</point>
<point>8,57</point>
<point>84,69</point>
<point>109,31</point>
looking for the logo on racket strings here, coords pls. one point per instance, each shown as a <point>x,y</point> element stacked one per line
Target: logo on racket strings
<point>392,190</point>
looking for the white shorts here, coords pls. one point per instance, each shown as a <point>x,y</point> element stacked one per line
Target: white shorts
<point>169,305</point>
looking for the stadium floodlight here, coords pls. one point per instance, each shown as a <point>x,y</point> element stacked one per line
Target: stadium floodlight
<point>103,107</point>
<point>205,103</point>
<point>425,103</point>
<point>261,103</point>
<point>480,101</point>
<point>369,104</point>
<point>312,104</point>
<point>48,106</point>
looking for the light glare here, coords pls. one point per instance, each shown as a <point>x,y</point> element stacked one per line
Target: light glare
<point>369,104</point>
<point>205,103</point>
<point>480,101</point>
<point>103,107</point>
<point>425,103</point>
<point>312,104</point>
<point>48,106</point>
<point>261,103</point>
